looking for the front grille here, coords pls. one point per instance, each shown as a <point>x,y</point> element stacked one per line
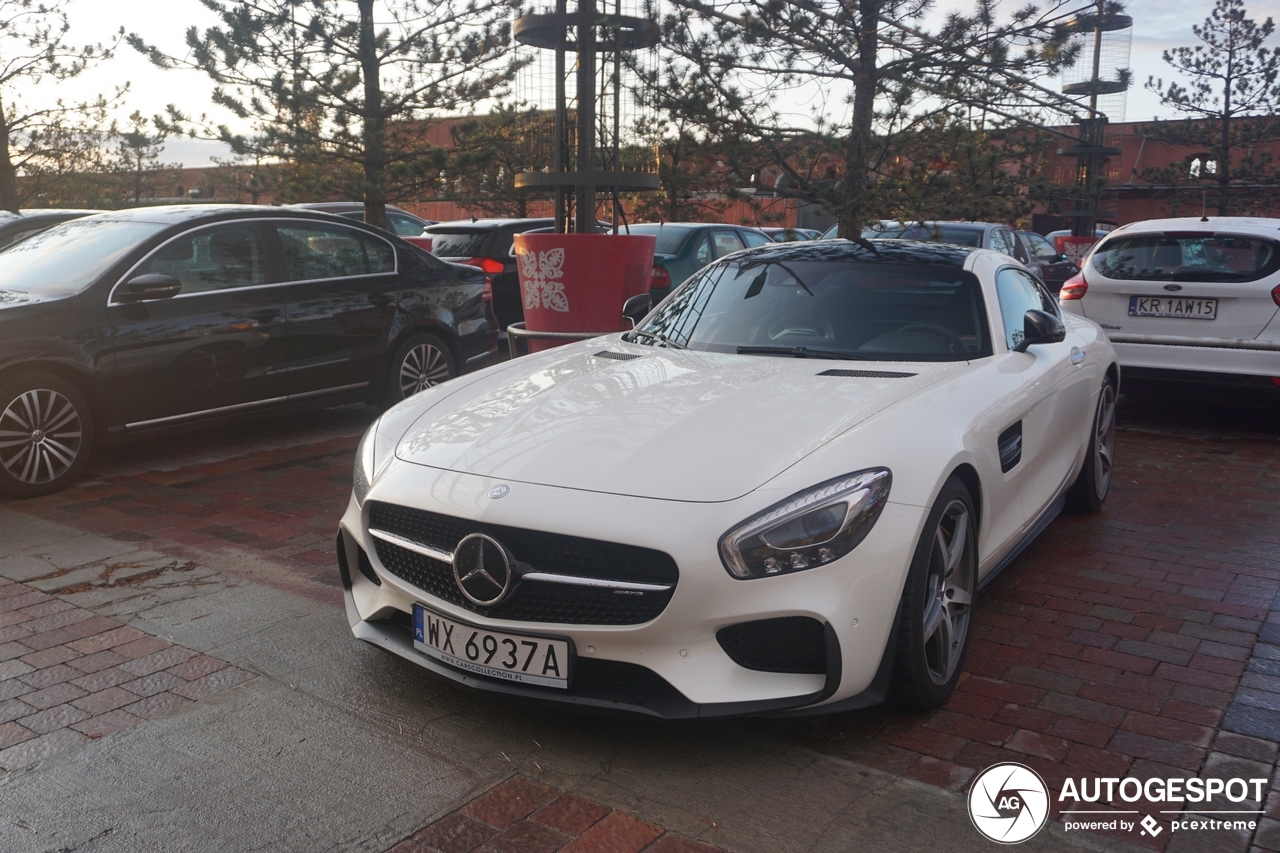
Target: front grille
<point>789,644</point>
<point>555,553</point>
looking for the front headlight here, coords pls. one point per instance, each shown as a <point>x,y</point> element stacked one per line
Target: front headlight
<point>362,477</point>
<point>809,528</point>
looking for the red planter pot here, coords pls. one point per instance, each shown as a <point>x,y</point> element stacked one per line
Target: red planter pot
<point>578,282</point>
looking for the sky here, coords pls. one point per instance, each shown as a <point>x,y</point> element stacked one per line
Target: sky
<point>1158,25</point>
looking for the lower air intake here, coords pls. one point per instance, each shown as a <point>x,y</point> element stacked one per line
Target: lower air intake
<point>793,644</point>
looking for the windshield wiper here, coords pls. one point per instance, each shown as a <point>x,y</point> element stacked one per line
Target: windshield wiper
<point>801,352</point>
<point>654,336</point>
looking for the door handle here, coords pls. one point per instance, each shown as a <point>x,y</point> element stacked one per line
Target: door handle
<point>381,300</point>
<point>264,316</point>
<point>1077,356</point>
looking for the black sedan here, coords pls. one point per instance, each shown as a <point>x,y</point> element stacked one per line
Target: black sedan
<point>148,321</point>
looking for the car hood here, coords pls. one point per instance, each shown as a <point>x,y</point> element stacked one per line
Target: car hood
<point>668,424</point>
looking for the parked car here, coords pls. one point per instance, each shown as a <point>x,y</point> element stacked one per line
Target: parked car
<point>1188,300</point>
<point>488,244</point>
<point>402,223</point>
<point>685,247</point>
<point>19,226</point>
<point>146,321</point>
<point>985,235</point>
<point>791,235</point>
<point>1054,266</point>
<point>783,490</point>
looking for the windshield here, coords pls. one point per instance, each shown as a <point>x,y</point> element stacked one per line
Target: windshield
<point>69,257</point>
<point>1198,257</point>
<point>456,244</point>
<point>670,237</point>
<point>956,234</point>
<point>826,309</point>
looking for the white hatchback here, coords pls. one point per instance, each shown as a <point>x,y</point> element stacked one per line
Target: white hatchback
<point>1187,299</point>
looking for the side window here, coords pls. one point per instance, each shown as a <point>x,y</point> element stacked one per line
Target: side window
<point>703,254</point>
<point>319,250</point>
<point>726,242</point>
<point>1000,241</point>
<point>1019,248</point>
<point>219,258</point>
<point>1041,248</point>
<point>403,225</point>
<point>755,238</point>
<point>357,215</point>
<point>1019,293</point>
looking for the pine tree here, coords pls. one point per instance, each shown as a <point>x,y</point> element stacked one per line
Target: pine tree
<point>326,85</point>
<point>1229,99</point>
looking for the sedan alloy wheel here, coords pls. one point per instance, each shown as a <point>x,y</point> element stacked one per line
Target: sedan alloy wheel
<point>45,435</point>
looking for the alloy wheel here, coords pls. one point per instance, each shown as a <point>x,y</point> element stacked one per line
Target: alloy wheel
<point>1104,431</point>
<point>949,593</point>
<point>41,436</point>
<point>424,365</point>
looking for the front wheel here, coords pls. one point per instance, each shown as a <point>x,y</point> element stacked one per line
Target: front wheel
<point>421,362</point>
<point>1089,492</point>
<point>46,433</point>
<point>937,602</point>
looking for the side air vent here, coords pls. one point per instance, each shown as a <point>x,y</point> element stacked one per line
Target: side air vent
<point>1010,446</point>
<point>866,374</point>
<point>616,356</point>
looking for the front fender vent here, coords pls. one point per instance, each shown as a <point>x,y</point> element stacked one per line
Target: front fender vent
<point>866,374</point>
<point>616,356</point>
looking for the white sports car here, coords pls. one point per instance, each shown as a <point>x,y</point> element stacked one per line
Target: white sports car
<point>781,491</point>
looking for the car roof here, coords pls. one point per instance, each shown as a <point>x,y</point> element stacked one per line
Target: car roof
<point>906,252</point>
<point>181,214</point>
<point>488,224</point>
<point>342,205</point>
<point>1258,225</point>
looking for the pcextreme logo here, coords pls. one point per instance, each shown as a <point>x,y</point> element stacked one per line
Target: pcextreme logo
<point>1009,803</point>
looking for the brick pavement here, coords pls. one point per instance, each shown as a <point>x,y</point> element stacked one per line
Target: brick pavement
<point>1114,646</point>
<point>524,816</point>
<point>68,676</point>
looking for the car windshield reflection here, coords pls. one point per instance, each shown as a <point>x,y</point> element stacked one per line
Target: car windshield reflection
<point>825,309</point>
<point>69,257</point>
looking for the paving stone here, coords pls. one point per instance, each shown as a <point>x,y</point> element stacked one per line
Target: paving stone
<point>104,724</point>
<point>528,836</point>
<point>213,682</point>
<point>101,680</point>
<point>513,800</point>
<point>570,813</point>
<point>98,661</point>
<point>156,661</point>
<point>673,842</point>
<point>37,749</point>
<point>12,733</point>
<point>57,717</point>
<point>196,667</point>
<point>150,685</point>
<point>55,695</point>
<point>105,700</point>
<point>157,706</point>
<point>616,833</point>
<point>41,678</point>
<point>455,833</point>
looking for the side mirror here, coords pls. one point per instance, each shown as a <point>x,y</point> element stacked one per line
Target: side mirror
<point>1040,327</point>
<point>147,287</point>
<point>637,307</point>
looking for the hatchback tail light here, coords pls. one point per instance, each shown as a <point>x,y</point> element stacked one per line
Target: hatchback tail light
<point>489,265</point>
<point>660,279</point>
<point>1275,294</point>
<point>1074,287</point>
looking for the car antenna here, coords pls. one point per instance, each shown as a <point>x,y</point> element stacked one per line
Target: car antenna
<point>1204,203</point>
<point>473,217</point>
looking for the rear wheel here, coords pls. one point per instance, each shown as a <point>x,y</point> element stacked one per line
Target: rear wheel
<point>1089,492</point>
<point>46,433</point>
<point>937,602</point>
<point>421,362</point>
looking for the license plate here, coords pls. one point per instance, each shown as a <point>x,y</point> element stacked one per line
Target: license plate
<point>543,661</point>
<point>1181,307</point>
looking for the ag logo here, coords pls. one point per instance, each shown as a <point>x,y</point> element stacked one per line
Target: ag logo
<point>1008,803</point>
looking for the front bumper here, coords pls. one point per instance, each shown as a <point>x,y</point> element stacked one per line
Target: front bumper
<point>671,666</point>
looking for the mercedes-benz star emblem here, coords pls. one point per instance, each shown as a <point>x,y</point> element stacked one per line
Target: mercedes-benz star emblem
<point>500,491</point>
<point>482,569</point>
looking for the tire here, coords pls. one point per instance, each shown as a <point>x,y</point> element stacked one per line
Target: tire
<point>46,434</point>
<point>936,617</point>
<point>421,361</point>
<point>1089,492</point>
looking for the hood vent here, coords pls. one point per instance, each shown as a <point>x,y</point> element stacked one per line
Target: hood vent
<point>616,356</point>
<point>866,374</point>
